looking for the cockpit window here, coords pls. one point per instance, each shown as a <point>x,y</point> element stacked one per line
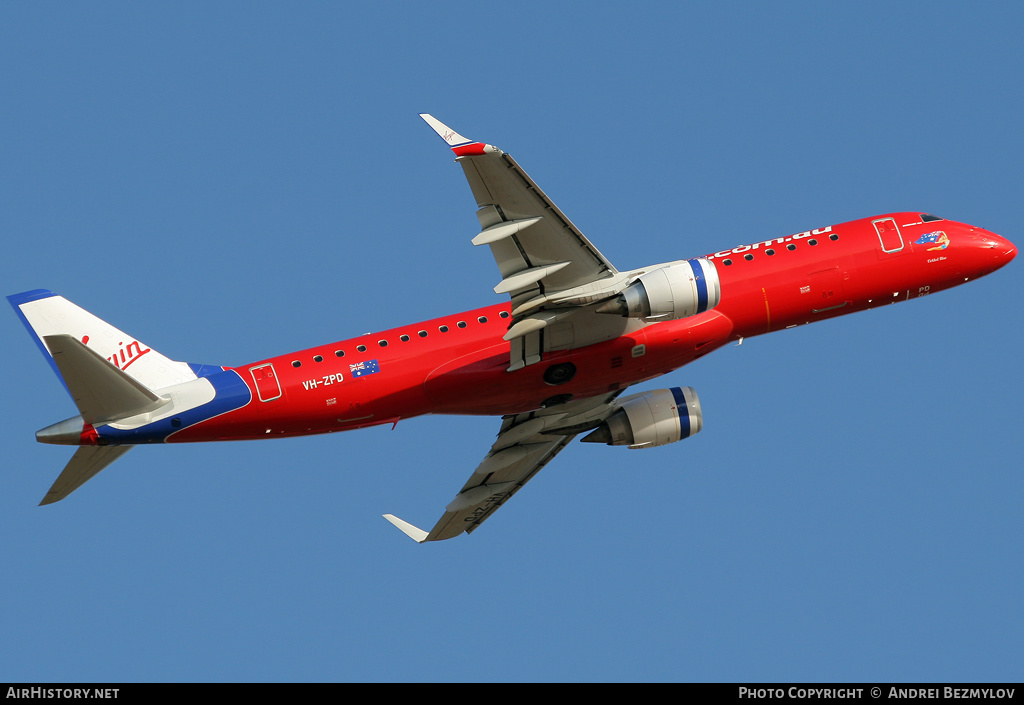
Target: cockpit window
<point>927,218</point>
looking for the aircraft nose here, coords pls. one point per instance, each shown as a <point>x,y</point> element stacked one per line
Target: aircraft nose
<point>1009,251</point>
<point>987,251</point>
<point>1004,249</point>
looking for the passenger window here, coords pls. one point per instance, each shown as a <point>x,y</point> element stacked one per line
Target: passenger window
<point>461,324</point>
<point>727,262</point>
<point>748,257</point>
<point>404,338</point>
<point>382,343</point>
<point>361,348</point>
<point>318,358</point>
<point>482,319</point>
<point>296,363</point>
<point>339,353</point>
<point>422,334</point>
<point>769,252</point>
<point>503,314</point>
<point>443,329</point>
<point>790,247</point>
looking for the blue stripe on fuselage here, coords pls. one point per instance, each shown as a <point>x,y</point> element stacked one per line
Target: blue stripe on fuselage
<point>230,393</point>
<point>205,370</point>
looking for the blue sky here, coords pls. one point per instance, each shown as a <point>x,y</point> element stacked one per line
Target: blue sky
<point>233,181</point>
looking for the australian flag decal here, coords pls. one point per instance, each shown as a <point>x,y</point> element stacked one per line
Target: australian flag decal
<point>938,238</point>
<point>361,369</point>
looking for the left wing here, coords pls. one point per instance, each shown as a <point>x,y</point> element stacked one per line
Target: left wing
<point>514,211</point>
<point>525,444</point>
<point>552,272</point>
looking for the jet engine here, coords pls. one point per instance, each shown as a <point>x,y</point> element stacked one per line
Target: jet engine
<point>670,292</point>
<point>651,419</point>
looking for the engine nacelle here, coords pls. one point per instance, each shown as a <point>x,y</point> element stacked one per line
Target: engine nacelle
<point>667,293</point>
<point>651,419</point>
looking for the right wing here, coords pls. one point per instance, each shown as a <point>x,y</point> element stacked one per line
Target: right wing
<point>525,444</point>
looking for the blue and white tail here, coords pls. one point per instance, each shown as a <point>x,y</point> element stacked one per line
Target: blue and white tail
<point>47,314</point>
<point>79,346</point>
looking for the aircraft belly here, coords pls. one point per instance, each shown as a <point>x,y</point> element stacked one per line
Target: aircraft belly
<point>478,381</point>
<point>485,387</point>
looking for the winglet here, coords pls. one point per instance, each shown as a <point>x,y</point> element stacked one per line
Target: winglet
<point>459,144</point>
<point>415,533</point>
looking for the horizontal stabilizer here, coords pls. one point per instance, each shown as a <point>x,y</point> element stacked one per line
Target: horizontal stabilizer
<point>102,392</point>
<point>83,466</point>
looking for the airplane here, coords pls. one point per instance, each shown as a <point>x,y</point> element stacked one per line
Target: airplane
<point>553,361</point>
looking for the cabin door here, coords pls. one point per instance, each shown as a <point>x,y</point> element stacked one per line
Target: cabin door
<point>889,236</point>
<point>268,387</point>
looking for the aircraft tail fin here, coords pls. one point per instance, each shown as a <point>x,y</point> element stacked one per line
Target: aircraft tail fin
<point>47,314</point>
<point>83,466</point>
<point>109,374</point>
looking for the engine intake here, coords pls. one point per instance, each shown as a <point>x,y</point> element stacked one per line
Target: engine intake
<point>651,419</point>
<point>671,292</point>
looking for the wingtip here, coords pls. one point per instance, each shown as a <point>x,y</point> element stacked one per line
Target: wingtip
<point>415,533</point>
<point>462,146</point>
<point>446,133</point>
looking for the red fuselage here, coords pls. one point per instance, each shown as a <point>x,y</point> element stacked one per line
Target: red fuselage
<point>457,364</point>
